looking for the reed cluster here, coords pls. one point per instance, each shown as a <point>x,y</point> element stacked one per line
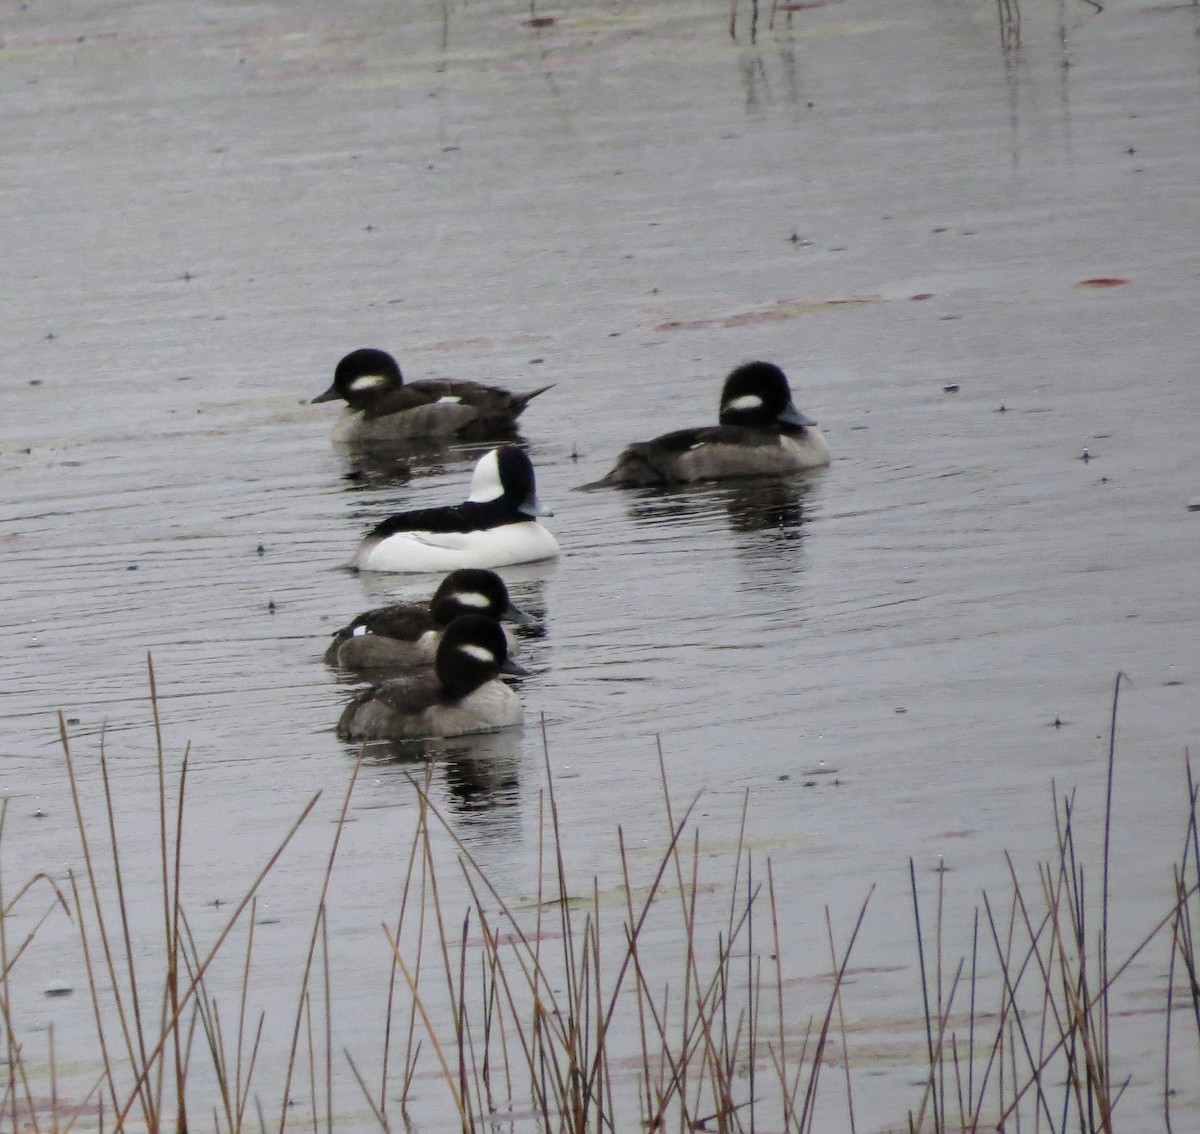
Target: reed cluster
<point>668,1007</point>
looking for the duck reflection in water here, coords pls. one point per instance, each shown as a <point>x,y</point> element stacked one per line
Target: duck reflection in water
<point>769,509</point>
<point>366,467</point>
<point>474,780</point>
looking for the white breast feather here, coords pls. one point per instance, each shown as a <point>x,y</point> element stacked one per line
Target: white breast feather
<point>446,551</point>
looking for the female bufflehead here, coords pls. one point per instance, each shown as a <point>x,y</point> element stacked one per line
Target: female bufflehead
<point>405,635</point>
<point>760,431</point>
<point>496,527</point>
<point>381,409</point>
<point>463,693</point>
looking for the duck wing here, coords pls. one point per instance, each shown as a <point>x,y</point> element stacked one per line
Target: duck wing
<point>398,399</point>
<point>404,620</point>
<point>680,456</point>
<point>471,516</point>
<point>408,694</point>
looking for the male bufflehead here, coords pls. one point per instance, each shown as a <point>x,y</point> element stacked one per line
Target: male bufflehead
<point>496,527</point>
<point>462,694</point>
<point>760,431</point>
<point>381,409</point>
<point>405,635</point>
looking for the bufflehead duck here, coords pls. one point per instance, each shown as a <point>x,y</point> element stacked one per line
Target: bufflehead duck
<point>381,409</point>
<point>405,635</point>
<point>463,693</point>
<point>760,431</point>
<point>496,527</point>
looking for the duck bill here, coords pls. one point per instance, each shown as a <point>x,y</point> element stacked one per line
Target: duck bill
<point>515,668</point>
<point>792,416</point>
<point>517,615</point>
<point>330,395</point>
<point>533,507</point>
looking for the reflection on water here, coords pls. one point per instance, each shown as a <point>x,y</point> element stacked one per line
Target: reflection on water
<point>767,515</point>
<point>376,465</point>
<point>475,780</point>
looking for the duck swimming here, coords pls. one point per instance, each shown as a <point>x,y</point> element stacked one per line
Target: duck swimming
<point>760,432</point>
<point>382,409</point>
<point>497,526</point>
<point>462,694</point>
<point>406,635</point>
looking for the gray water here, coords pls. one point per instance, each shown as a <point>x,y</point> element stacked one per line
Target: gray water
<point>206,206</point>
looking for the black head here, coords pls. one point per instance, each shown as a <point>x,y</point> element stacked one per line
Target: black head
<point>757,395</point>
<point>472,590</point>
<point>361,376</point>
<point>473,650</point>
<point>507,474</point>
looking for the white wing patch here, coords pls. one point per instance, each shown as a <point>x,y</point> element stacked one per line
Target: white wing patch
<point>368,382</point>
<point>746,401</point>
<point>479,653</point>
<point>452,399</point>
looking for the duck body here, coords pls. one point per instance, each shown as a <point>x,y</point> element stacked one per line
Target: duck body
<point>406,635</point>
<point>761,432</point>
<point>382,409</point>
<point>399,636</point>
<point>495,527</point>
<point>462,695</point>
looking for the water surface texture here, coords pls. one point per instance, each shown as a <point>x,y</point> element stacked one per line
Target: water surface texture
<point>978,265</point>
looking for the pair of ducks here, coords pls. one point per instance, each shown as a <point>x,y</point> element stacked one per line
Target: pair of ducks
<point>457,639</point>
<point>452,651</point>
<point>760,431</point>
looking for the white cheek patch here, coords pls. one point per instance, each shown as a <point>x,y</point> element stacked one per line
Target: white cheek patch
<point>485,483</point>
<point>359,631</point>
<point>472,598</point>
<point>745,402</point>
<point>449,399</point>
<point>367,382</point>
<point>479,653</point>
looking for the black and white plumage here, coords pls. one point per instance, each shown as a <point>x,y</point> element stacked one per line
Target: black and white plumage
<point>462,694</point>
<point>406,635</point>
<point>760,431</point>
<point>381,409</point>
<point>495,527</point>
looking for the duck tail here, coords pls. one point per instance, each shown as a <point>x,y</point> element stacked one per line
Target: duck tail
<point>635,467</point>
<point>520,401</point>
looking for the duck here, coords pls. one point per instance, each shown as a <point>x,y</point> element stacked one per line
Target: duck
<point>382,409</point>
<point>462,694</point>
<point>760,431</point>
<point>497,526</point>
<point>405,635</point>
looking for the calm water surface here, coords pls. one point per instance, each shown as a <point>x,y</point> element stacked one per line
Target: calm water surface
<point>205,208</point>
